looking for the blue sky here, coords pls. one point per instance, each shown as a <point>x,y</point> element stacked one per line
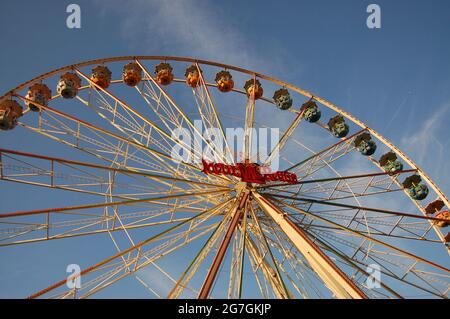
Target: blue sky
<point>395,79</point>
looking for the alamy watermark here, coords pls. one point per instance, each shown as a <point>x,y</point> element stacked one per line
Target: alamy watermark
<point>73,280</point>
<point>374,19</point>
<point>214,145</point>
<point>73,21</point>
<point>373,281</point>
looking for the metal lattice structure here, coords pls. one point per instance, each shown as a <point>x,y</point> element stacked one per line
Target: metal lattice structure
<point>316,238</point>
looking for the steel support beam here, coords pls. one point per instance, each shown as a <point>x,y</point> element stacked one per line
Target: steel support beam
<point>212,273</point>
<point>334,278</point>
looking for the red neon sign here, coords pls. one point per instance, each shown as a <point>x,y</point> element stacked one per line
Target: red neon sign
<point>248,172</point>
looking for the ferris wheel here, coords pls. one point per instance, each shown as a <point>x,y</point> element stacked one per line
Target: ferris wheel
<point>344,214</point>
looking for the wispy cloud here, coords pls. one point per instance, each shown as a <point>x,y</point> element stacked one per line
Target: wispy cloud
<point>155,280</point>
<point>428,147</point>
<point>397,111</point>
<point>190,28</point>
<point>201,29</point>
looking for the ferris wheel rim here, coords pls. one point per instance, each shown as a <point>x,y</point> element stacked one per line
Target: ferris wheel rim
<point>237,69</point>
<point>297,89</point>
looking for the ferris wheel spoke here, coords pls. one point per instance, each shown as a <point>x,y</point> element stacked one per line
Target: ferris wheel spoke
<point>62,125</point>
<point>340,187</point>
<point>418,205</point>
<point>145,259</point>
<point>210,245</point>
<point>155,91</point>
<point>141,126</point>
<point>258,260</point>
<point>256,272</point>
<point>132,265</point>
<point>141,133</point>
<point>285,137</point>
<point>137,249</point>
<point>281,242</point>
<point>136,114</point>
<point>295,283</point>
<point>371,255</point>
<point>104,144</point>
<point>122,120</point>
<point>386,266</point>
<point>238,259</point>
<point>309,282</point>
<point>181,239</point>
<point>209,115</point>
<point>166,115</point>
<point>330,193</point>
<point>267,271</point>
<point>74,221</point>
<point>362,208</point>
<point>394,177</point>
<point>170,244</point>
<point>371,252</point>
<point>362,177</point>
<point>79,165</point>
<point>381,224</point>
<point>304,274</point>
<point>332,276</point>
<point>78,224</point>
<point>248,124</point>
<point>263,271</point>
<point>348,261</point>
<point>391,247</point>
<point>74,187</point>
<point>274,273</point>
<point>169,119</point>
<point>373,230</point>
<point>106,204</point>
<point>400,226</point>
<point>69,175</point>
<point>236,213</point>
<point>324,157</point>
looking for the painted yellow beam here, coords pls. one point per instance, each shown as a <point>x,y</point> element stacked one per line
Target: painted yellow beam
<point>333,277</point>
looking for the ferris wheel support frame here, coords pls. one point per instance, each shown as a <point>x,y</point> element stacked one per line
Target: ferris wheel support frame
<point>332,276</point>
<point>242,70</point>
<point>212,273</point>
